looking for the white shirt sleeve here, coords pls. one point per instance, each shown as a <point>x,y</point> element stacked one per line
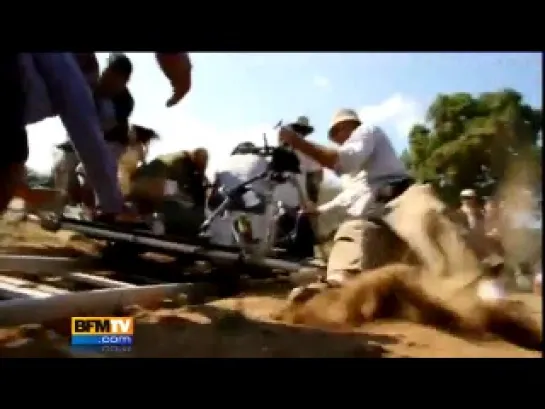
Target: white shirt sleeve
<point>343,200</point>
<point>356,150</point>
<point>106,113</point>
<point>331,205</point>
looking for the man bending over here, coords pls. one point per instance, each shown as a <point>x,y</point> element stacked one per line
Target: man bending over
<point>367,157</point>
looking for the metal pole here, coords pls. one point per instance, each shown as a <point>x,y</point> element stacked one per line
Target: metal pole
<point>24,311</point>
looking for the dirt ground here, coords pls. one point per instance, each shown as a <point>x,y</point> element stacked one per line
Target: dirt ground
<point>243,327</point>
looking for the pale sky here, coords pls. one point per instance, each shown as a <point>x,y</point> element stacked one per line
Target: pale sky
<point>238,96</point>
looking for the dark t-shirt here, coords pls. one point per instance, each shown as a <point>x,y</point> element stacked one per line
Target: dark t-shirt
<point>123,107</point>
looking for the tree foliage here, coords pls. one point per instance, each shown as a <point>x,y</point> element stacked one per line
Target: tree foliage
<point>470,141</point>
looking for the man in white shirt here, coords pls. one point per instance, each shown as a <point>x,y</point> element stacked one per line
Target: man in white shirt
<point>373,171</point>
<point>311,174</point>
<point>471,210</point>
<point>297,233</point>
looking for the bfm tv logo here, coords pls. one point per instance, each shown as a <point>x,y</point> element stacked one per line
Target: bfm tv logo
<point>102,330</point>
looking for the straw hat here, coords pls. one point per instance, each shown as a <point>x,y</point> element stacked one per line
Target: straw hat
<point>343,115</point>
<point>302,126</point>
<point>468,193</point>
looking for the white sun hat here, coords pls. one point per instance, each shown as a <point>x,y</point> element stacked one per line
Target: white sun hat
<point>343,115</point>
<point>491,290</point>
<point>468,193</point>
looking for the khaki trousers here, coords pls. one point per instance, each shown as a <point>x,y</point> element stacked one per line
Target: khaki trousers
<point>361,245</point>
<point>418,219</point>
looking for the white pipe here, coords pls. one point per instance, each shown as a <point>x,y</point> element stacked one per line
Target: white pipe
<point>95,280</point>
<point>24,311</point>
<point>58,266</point>
<point>98,281</point>
<point>15,288</point>
<point>8,290</point>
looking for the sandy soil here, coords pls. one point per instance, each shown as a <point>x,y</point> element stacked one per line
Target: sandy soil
<point>242,327</point>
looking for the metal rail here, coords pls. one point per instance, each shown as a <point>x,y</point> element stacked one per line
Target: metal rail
<point>12,290</point>
<point>160,244</point>
<point>34,264</point>
<point>15,264</point>
<point>32,302</point>
<point>98,281</point>
<point>39,310</point>
<point>25,284</point>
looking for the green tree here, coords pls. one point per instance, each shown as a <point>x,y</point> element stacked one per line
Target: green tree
<point>470,141</point>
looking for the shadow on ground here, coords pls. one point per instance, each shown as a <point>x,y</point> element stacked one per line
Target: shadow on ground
<point>225,333</point>
<point>210,331</point>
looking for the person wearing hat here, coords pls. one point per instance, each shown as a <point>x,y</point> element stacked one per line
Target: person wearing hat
<point>296,232</point>
<point>470,210</point>
<point>369,162</point>
<point>484,238</point>
<point>311,172</point>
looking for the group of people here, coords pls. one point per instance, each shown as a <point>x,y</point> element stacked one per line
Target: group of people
<point>96,108</point>
<point>364,157</point>
<point>143,185</point>
<point>42,85</point>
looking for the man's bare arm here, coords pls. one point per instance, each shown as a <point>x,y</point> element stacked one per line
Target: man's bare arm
<point>326,157</point>
<point>177,68</point>
<point>172,64</point>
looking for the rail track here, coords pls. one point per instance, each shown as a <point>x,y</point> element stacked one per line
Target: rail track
<point>37,288</point>
<point>41,288</point>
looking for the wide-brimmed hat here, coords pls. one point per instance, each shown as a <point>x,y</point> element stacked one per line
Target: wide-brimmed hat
<point>467,193</point>
<point>342,115</point>
<point>302,126</point>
